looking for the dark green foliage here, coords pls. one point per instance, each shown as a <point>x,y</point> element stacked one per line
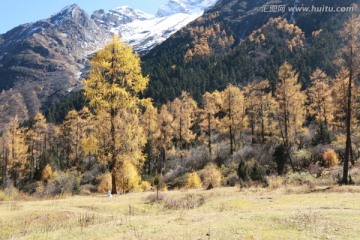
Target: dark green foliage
<point>322,135</point>
<point>243,171</point>
<point>257,173</point>
<point>158,184</point>
<point>58,110</point>
<point>280,157</point>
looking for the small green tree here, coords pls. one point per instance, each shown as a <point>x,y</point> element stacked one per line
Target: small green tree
<point>322,135</point>
<point>280,157</point>
<point>243,171</point>
<point>157,184</point>
<point>257,173</point>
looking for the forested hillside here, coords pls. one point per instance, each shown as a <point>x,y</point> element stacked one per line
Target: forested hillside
<point>219,48</point>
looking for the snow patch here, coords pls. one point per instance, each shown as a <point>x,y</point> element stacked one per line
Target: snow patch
<point>144,31</point>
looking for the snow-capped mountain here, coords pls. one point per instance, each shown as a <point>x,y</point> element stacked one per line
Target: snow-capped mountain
<point>144,31</point>
<point>118,16</point>
<point>184,6</point>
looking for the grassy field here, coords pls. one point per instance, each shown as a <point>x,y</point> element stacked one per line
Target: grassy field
<point>224,213</point>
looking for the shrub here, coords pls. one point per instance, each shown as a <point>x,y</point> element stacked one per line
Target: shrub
<point>47,173</point>
<point>232,180</point>
<point>280,157</point>
<point>299,179</point>
<point>145,186</point>
<point>275,182</point>
<point>330,158</point>
<point>105,183</point>
<point>155,197</point>
<point>257,173</point>
<point>211,175</point>
<point>193,181</point>
<point>243,171</point>
<point>85,192</point>
<point>63,183</point>
<point>322,135</point>
<point>127,177</point>
<point>190,201</point>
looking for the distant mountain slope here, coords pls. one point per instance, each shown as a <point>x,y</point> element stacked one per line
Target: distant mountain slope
<point>41,61</point>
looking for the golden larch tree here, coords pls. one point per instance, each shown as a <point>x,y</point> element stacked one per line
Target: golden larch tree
<point>112,88</point>
<point>349,60</point>
<point>290,108</point>
<point>150,124</point>
<point>321,104</point>
<point>16,151</point>
<point>183,110</point>
<point>209,122</point>
<point>36,138</point>
<point>164,134</point>
<point>234,121</point>
<point>260,107</point>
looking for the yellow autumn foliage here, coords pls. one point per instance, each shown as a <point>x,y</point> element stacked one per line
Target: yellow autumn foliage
<point>193,181</point>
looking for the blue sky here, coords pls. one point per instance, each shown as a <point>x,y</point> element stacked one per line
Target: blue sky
<point>16,12</point>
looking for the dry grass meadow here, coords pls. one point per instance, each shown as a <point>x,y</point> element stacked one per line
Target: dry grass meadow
<point>223,213</point>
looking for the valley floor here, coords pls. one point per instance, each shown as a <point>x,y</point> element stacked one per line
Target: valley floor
<point>226,213</point>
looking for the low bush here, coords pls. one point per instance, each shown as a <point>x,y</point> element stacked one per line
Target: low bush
<point>145,186</point>
<point>211,175</point>
<point>105,183</point>
<point>193,181</point>
<point>47,173</point>
<point>190,201</point>
<point>63,183</point>
<point>275,182</point>
<point>299,179</point>
<point>154,197</point>
<point>330,158</point>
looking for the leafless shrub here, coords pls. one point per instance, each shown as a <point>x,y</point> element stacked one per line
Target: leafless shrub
<point>86,220</point>
<point>190,201</point>
<point>63,183</point>
<point>151,198</point>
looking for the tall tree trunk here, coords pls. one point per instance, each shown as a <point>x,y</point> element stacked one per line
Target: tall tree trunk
<point>113,152</point>
<point>252,131</point>
<point>231,140</point>
<point>348,126</point>
<point>113,182</point>
<point>209,129</point>
<point>262,124</point>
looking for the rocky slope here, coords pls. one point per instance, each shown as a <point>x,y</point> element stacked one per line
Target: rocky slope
<point>41,61</point>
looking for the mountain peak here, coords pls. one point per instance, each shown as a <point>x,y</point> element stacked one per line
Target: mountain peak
<point>118,16</point>
<point>131,13</point>
<point>69,10</point>
<point>72,12</point>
